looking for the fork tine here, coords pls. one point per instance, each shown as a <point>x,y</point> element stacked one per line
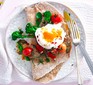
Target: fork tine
<point>77,29</point>
<point>72,29</point>
<point>70,25</point>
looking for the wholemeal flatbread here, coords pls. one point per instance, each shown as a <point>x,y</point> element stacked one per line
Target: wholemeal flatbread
<point>38,71</point>
<point>47,71</point>
<point>51,75</point>
<point>40,7</point>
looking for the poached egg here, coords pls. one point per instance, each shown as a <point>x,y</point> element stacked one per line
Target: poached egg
<point>50,36</point>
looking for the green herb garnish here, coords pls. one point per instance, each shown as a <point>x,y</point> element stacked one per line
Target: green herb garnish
<point>47,59</point>
<point>27,36</point>
<point>30,29</point>
<point>47,16</point>
<point>38,18</point>
<point>41,61</point>
<point>20,47</point>
<point>27,58</point>
<point>20,31</point>
<point>19,34</point>
<point>16,35</point>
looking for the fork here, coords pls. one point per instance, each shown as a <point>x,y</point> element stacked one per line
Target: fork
<point>76,40</point>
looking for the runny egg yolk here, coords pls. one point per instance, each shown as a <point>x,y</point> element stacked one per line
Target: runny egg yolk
<point>50,36</point>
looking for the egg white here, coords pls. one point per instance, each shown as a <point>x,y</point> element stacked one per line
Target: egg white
<point>48,45</point>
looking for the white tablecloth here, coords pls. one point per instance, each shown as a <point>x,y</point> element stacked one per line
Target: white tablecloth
<point>84,11</point>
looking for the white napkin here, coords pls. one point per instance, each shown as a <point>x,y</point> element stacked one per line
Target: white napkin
<point>9,73</point>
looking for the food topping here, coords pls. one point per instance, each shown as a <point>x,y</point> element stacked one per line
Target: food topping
<point>62,47</point>
<point>27,58</point>
<point>47,16</point>
<point>56,18</point>
<point>39,48</point>
<point>27,51</point>
<point>38,19</point>
<point>50,38</point>
<point>52,56</point>
<point>30,29</point>
<point>20,34</point>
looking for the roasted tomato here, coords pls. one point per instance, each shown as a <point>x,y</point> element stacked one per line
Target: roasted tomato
<point>39,48</point>
<point>52,56</point>
<point>56,18</point>
<point>62,48</point>
<point>27,51</point>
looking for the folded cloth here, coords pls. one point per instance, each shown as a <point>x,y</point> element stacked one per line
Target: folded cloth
<point>5,66</point>
<point>9,73</point>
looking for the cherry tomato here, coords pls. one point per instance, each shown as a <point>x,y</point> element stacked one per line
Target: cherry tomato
<point>62,48</point>
<point>27,51</point>
<point>56,18</point>
<point>51,55</point>
<point>39,48</point>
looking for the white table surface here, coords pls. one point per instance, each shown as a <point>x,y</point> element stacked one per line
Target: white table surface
<point>10,5</point>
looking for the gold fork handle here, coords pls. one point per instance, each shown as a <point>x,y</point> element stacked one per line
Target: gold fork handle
<point>78,68</point>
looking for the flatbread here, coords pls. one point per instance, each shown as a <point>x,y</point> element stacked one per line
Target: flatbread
<point>47,71</point>
<point>38,71</point>
<point>40,7</point>
<point>51,75</point>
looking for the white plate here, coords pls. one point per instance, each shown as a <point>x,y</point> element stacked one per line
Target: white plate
<point>24,66</point>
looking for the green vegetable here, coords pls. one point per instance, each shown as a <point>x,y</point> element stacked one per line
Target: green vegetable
<point>20,31</point>
<point>19,34</point>
<point>27,36</point>
<point>35,27</point>
<point>47,59</point>
<point>20,47</point>
<point>16,35</point>
<point>29,28</point>
<point>27,58</point>
<point>38,18</point>
<point>47,16</point>
<point>41,61</point>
